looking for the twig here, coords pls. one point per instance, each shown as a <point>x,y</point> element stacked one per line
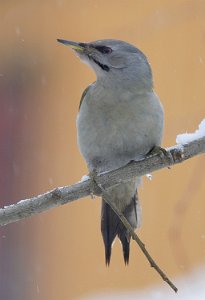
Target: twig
<point>137,239</point>
<point>62,195</point>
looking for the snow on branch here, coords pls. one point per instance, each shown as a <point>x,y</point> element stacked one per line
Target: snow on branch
<point>62,195</point>
<point>189,137</point>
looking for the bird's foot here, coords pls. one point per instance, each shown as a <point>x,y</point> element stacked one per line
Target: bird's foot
<point>163,153</point>
<point>94,186</point>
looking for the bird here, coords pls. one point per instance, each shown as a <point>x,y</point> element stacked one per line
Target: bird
<point>120,119</point>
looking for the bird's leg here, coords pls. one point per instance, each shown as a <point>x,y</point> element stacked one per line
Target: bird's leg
<point>95,188</point>
<point>163,153</point>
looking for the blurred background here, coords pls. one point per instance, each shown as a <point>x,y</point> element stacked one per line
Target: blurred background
<point>59,254</point>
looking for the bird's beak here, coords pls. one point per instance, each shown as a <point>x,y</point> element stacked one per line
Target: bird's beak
<point>75,46</point>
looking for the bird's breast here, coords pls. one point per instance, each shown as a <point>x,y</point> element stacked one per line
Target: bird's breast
<point>114,130</point>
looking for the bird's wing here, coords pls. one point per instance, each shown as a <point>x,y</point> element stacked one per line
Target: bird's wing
<point>84,94</point>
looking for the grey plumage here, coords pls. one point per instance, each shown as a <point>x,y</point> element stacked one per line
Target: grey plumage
<point>120,119</point>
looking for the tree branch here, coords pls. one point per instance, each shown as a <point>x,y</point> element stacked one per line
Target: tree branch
<point>62,195</point>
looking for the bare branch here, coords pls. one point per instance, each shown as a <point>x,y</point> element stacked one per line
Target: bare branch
<point>62,195</point>
<point>138,240</point>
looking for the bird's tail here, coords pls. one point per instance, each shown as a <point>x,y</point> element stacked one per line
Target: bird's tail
<point>111,226</point>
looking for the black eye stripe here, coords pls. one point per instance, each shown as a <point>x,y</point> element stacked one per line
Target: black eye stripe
<point>103,67</point>
<point>103,49</point>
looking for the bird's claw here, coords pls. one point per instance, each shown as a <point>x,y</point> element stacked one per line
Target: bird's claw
<point>163,153</point>
<point>95,187</point>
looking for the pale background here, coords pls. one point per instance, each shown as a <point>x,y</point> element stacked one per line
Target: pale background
<point>60,254</point>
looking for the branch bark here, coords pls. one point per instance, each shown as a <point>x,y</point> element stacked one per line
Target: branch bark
<point>62,195</point>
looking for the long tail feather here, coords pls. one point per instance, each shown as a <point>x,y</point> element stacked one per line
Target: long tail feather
<point>111,226</point>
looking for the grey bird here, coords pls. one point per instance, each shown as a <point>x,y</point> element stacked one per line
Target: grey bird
<point>120,119</point>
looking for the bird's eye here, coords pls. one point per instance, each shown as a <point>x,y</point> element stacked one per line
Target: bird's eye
<point>104,49</point>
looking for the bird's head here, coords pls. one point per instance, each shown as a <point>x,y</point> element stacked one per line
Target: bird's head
<point>114,59</point>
